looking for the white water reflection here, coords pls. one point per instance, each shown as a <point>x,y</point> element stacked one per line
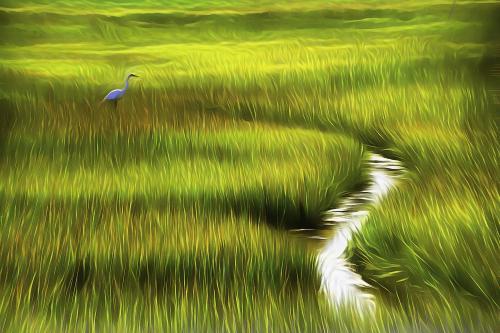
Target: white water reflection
<point>339,282</point>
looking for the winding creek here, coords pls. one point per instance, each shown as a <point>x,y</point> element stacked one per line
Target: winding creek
<point>339,282</point>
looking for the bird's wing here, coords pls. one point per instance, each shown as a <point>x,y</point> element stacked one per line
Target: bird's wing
<point>114,94</point>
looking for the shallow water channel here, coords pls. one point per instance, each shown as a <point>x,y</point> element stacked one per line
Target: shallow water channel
<point>339,282</point>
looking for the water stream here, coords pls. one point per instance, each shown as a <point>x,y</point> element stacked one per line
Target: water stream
<point>341,284</point>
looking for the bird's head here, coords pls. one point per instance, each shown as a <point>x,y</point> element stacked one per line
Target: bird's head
<point>132,75</point>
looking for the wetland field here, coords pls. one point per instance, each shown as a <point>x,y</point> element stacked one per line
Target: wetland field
<point>175,210</point>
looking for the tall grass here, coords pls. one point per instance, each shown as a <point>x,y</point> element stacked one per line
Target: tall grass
<point>170,213</point>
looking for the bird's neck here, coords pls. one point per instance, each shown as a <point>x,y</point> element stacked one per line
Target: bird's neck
<point>126,84</point>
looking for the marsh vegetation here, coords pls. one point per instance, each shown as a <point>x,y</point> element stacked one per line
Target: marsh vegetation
<point>249,119</point>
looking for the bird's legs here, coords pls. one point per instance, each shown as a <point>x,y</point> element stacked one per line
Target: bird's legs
<point>115,104</point>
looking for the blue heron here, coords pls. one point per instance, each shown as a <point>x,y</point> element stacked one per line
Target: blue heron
<point>116,94</point>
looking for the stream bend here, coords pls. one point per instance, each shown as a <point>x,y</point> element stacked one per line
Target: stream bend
<point>341,284</point>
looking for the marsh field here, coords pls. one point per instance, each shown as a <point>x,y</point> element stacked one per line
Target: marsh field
<point>173,211</point>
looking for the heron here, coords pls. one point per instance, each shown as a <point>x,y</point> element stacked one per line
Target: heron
<point>115,94</point>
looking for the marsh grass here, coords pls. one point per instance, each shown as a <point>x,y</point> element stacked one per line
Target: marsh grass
<point>170,213</point>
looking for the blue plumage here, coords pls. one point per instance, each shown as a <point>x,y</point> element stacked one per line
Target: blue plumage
<point>116,94</point>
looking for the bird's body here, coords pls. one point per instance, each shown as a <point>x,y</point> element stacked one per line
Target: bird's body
<point>115,94</point>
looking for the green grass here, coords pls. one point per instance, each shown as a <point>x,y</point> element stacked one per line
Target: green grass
<point>286,176</point>
<point>250,118</point>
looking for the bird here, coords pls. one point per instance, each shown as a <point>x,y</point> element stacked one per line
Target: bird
<point>115,94</point>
